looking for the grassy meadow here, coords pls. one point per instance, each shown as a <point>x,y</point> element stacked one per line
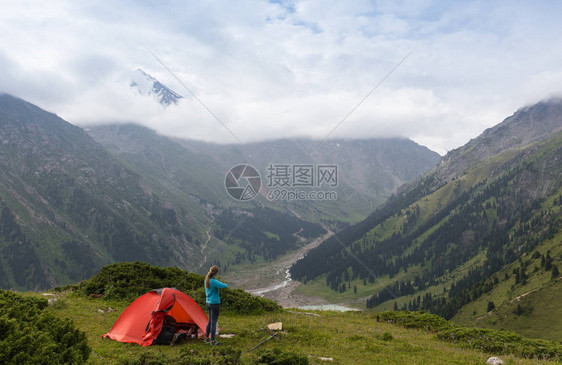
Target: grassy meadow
<point>347,338</point>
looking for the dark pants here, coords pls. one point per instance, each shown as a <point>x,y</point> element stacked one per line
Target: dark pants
<point>213,318</point>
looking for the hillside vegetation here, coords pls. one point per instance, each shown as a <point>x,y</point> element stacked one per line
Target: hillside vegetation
<point>69,330</point>
<point>481,225</point>
<point>32,334</point>
<point>75,322</point>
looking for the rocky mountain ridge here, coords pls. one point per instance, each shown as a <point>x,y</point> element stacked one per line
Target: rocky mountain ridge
<point>148,85</point>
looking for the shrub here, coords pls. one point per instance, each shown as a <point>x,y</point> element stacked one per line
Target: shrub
<point>129,280</point>
<point>187,356</point>
<point>386,336</point>
<point>31,334</point>
<point>421,320</point>
<point>277,356</point>
<point>224,356</point>
<point>502,342</point>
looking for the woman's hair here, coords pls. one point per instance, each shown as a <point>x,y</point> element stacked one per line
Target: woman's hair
<point>212,272</point>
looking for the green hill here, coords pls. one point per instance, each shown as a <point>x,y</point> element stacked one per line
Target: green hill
<point>68,207</point>
<point>445,242</point>
<point>529,306</point>
<point>306,338</point>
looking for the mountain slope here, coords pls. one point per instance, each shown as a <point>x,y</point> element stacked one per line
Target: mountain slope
<point>526,296</point>
<point>526,126</point>
<point>164,162</point>
<point>368,170</point>
<point>439,243</point>
<point>68,206</point>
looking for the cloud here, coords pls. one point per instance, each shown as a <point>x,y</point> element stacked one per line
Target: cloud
<point>288,68</point>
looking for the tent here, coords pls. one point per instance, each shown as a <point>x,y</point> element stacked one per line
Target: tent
<point>141,322</point>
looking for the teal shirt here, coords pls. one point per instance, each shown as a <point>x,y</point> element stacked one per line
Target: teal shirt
<point>212,292</point>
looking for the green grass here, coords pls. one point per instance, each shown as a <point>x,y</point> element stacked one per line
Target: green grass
<point>540,318</point>
<point>272,235</point>
<point>349,338</point>
<point>542,314</point>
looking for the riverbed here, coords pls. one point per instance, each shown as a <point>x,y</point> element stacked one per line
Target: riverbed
<point>273,280</point>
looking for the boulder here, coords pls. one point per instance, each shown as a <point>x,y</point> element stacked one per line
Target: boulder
<point>494,360</point>
<point>277,326</point>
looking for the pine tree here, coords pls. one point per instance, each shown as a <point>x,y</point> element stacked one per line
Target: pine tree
<point>548,262</point>
<point>491,306</point>
<point>555,272</point>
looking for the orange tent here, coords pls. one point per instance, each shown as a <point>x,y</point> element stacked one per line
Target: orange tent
<point>142,321</point>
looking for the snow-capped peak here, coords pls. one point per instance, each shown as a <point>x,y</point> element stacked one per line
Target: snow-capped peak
<point>148,85</point>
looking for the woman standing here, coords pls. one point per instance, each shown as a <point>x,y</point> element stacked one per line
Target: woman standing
<point>212,287</point>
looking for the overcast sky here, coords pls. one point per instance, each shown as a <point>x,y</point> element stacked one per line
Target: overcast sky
<point>287,68</point>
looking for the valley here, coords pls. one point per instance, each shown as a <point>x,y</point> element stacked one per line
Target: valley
<point>477,239</point>
<point>377,182</point>
<point>272,279</point>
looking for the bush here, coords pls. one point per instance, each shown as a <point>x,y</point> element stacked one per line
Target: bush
<point>129,280</point>
<point>421,320</point>
<point>31,335</point>
<point>188,356</point>
<point>277,356</point>
<point>386,336</point>
<point>224,356</point>
<point>502,342</point>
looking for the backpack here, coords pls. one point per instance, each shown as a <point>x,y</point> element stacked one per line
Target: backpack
<point>166,335</point>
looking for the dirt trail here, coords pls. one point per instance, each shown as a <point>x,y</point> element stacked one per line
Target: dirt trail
<point>522,295</point>
<point>272,279</point>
